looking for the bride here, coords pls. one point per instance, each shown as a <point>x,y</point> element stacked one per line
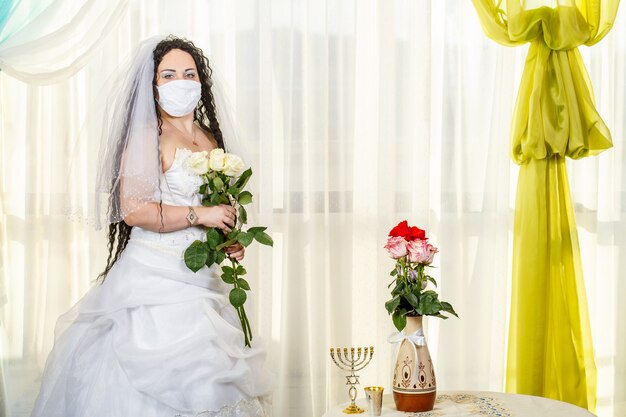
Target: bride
<point>153,339</point>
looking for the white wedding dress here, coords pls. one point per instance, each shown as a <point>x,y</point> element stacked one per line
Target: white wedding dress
<point>155,339</point>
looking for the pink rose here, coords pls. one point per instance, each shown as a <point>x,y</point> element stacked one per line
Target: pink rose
<point>396,246</point>
<point>421,251</point>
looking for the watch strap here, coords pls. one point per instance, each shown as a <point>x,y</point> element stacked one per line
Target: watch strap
<point>192,217</point>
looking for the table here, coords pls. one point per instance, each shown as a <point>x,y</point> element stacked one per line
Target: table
<point>477,403</point>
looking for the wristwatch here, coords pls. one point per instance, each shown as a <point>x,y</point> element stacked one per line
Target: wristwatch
<point>192,217</point>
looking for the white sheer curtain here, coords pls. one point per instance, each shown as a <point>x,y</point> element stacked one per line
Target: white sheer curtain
<point>358,114</point>
<point>599,193</point>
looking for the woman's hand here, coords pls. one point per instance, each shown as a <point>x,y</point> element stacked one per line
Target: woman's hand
<point>235,251</point>
<point>222,217</point>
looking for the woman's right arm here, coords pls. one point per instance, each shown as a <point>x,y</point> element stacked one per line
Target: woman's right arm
<point>166,218</point>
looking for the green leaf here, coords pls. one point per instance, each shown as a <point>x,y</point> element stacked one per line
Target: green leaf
<point>416,290</point>
<point>264,239</point>
<point>241,270</point>
<point>218,184</point>
<point>243,215</point>
<point>399,288</point>
<point>206,202</point>
<point>219,257</point>
<point>399,321</point>
<point>227,243</point>
<point>257,229</point>
<point>210,259</point>
<point>214,238</point>
<point>214,199</point>
<point>243,284</point>
<point>237,297</point>
<point>447,307</point>
<point>196,255</point>
<point>228,277</point>
<point>392,304</point>
<point>430,306</point>
<point>202,189</point>
<point>245,238</point>
<point>245,198</point>
<point>412,299</point>
<point>430,293</point>
<point>243,179</point>
<point>234,191</point>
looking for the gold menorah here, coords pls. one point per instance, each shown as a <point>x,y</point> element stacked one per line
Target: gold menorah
<point>354,361</point>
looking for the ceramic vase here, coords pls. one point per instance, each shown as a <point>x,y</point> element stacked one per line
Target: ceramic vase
<point>414,383</point>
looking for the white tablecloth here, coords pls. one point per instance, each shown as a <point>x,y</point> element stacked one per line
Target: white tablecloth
<point>477,403</point>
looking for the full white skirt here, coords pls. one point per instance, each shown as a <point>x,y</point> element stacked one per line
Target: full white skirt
<point>154,340</point>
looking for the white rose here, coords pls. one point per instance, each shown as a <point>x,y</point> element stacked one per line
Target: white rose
<point>198,163</point>
<point>233,165</point>
<point>216,159</point>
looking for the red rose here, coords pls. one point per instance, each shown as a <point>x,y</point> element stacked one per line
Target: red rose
<point>408,233</point>
<point>416,233</point>
<point>401,230</point>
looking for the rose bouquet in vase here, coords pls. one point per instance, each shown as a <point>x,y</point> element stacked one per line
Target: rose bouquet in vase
<point>414,383</point>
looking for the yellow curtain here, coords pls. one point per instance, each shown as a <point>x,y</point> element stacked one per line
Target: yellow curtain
<point>550,348</point>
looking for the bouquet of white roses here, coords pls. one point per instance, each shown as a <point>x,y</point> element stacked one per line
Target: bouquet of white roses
<point>222,184</point>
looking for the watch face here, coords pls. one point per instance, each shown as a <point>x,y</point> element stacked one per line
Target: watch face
<point>191,217</point>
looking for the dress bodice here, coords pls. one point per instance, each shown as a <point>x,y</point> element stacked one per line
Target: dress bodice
<point>178,187</point>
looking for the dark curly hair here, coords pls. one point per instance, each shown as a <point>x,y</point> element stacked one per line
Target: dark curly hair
<point>204,115</point>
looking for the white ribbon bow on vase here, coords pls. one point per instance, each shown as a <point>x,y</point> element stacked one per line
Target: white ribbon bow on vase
<point>417,338</point>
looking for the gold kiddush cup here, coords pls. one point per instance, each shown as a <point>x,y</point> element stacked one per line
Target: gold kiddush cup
<point>374,396</point>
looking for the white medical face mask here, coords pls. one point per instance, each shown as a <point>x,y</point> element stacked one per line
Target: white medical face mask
<point>180,97</point>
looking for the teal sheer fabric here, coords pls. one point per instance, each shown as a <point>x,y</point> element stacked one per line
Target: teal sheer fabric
<point>5,11</point>
<point>15,14</point>
<point>43,42</point>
